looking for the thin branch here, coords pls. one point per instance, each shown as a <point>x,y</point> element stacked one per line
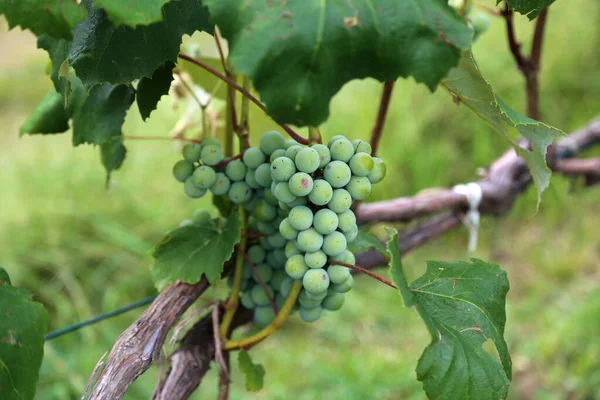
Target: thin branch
<point>191,92</point>
<point>515,47</point>
<point>258,278</point>
<point>538,38</point>
<point>253,99</point>
<point>223,365</point>
<point>364,271</point>
<point>225,162</point>
<point>384,105</point>
<point>230,92</point>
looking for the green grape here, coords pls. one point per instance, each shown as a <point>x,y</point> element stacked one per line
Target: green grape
<point>301,184</point>
<point>265,212</point>
<point>378,172</point>
<point>262,175</point>
<point>338,274</point>
<point>306,302</point>
<point>210,141</point>
<point>321,193</point>
<point>244,284</point>
<point>263,316</point>
<point>277,240</point>
<point>283,193</point>
<point>278,277</point>
<point>324,154</point>
<point>247,301</point>
<point>459,4</point>
<point>309,240</point>
<point>325,221</point>
<point>247,271</point>
<point>286,286</point>
<point>347,220</point>
<point>282,169</point>
<point>315,280</point>
<point>264,242</point>
<point>291,249</point>
<point>292,151</point>
<point>193,191</point>
<point>300,218</point>
<point>201,216</point>
<point>351,234</point>
<point>317,259</point>
<point>345,257</point>
<point>296,267</point>
<point>221,185</point>
<point>345,286</point>
<point>340,201</point>
<point>337,173</point>
<point>359,187</point>
<point>253,157</point>
<point>256,254</point>
<point>266,228</point>
<point>333,302</point>
<point>264,271</point>
<point>211,155</point>
<point>271,141</point>
<point>251,179</point>
<point>342,150</point>
<point>361,164</point>
<point>334,138</point>
<point>279,258</point>
<point>270,198</point>
<point>300,201</point>
<point>239,193</point>
<point>236,170</point>
<point>182,170</point>
<point>287,231</point>
<point>204,177</point>
<point>360,146</point>
<point>273,263</point>
<point>279,301</point>
<point>334,244</point>
<point>284,208</point>
<point>289,143</point>
<point>481,23</point>
<point>276,154</point>
<point>317,296</point>
<point>191,152</point>
<point>259,297</point>
<point>186,222</point>
<point>251,205</point>
<point>310,314</point>
<point>307,160</point>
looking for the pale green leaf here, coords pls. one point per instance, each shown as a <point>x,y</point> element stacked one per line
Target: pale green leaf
<point>254,373</point>
<point>132,12</point>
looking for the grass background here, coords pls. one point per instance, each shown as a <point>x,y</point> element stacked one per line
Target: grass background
<point>84,250</point>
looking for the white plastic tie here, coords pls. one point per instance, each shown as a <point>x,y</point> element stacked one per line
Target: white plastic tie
<point>472,191</point>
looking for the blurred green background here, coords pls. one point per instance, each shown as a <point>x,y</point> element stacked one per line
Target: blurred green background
<point>84,250</point>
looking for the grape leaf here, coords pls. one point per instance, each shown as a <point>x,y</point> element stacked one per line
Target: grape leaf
<point>466,84</point>
<point>365,241</point>
<point>57,49</point>
<point>462,305</point>
<point>254,373</point>
<point>23,324</point>
<point>112,154</point>
<point>191,251</point>
<point>150,90</point>
<point>50,116</point>
<point>53,17</point>
<point>100,52</point>
<point>531,8</point>
<point>300,53</point>
<point>132,12</point>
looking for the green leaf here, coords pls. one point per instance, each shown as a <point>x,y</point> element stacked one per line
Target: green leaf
<point>53,17</point>
<point>150,90</point>
<point>531,8</point>
<point>392,253</point>
<point>23,324</point>
<point>50,116</point>
<point>300,53</point>
<point>191,251</point>
<point>57,49</point>
<point>365,241</point>
<point>132,12</point>
<point>463,305</point>
<point>112,154</point>
<point>100,52</point>
<point>466,84</point>
<point>254,373</point>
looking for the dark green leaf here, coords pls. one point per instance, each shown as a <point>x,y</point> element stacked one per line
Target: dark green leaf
<point>132,12</point>
<point>23,324</point>
<point>50,116</point>
<point>463,305</point>
<point>365,241</point>
<point>191,251</point>
<point>102,53</point>
<point>254,373</point>
<point>112,154</point>
<point>531,8</point>
<point>466,84</point>
<point>53,17</point>
<point>223,204</point>
<point>300,53</point>
<point>57,49</point>
<point>150,90</point>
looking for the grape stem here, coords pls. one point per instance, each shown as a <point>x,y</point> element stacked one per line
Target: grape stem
<point>274,326</point>
<point>314,135</point>
<point>384,105</point>
<point>244,126</point>
<point>161,138</point>
<point>225,162</point>
<point>364,271</point>
<point>253,99</point>
<point>232,303</point>
<point>258,277</point>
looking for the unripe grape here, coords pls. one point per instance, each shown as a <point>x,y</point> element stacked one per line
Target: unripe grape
<point>342,150</point>
<point>300,218</point>
<point>337,173</point>
<point>345,286</point>
<point>253,157</point>
<point>266,228</point>
<point>259,297</point>
<point>296,267</point>
<point>306,302</point>
<point>204,177</point>
<point>481,23</point>
<point>351,234</point>
<point>334,244</point>
<point>340,201</point>
<point>264,271</point>
<point>338,274</point>
<point>279,258</point>
<point>276,154</point>
<point>250,179</point>
<point>239,193</point>
<point>271,141</point>
<point>286,286</point>
<point>300,201</point>
<point>345,257</point>
<point>307,160</point>
<point>262,175</point>
<point>279,301</point>
<point>264,243</point>
<point>361,164</point>
<point>191,152</point>
<point>256,254</point>
<point>321,193</point>
<point>325,221</point>
<point>315,280</point>
<point>334,138</point>
<point>201,216</point>
<point>264,211</point>
<point>360,146</point>
<point>263,316</point>
<point>247,301</point>
<point>347,220</point>
<point>287,231</point>
<point>278,277</point>
<point>211,155</point>
<point>317,259</point>
<point>300,184</point>
<point>310,314</point>
<point>282,169</point>
<point>333,302</point>
<point>182,170</point>
<point>291,249</point>
<point>378,172</point>
<point>309,240</point>
<point>193,191</point>
<point>324,154</point>
<point>236,170</point>
<point>283,193</point>
<point>221,185</point>
<point>289,143</point>
<point>316,296</point>
<point>277,240</point>
<point>292,151</point>
<point>210,141</point>
<point>247,271</point>
<point>270,198</point>
<point>359,187</point>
